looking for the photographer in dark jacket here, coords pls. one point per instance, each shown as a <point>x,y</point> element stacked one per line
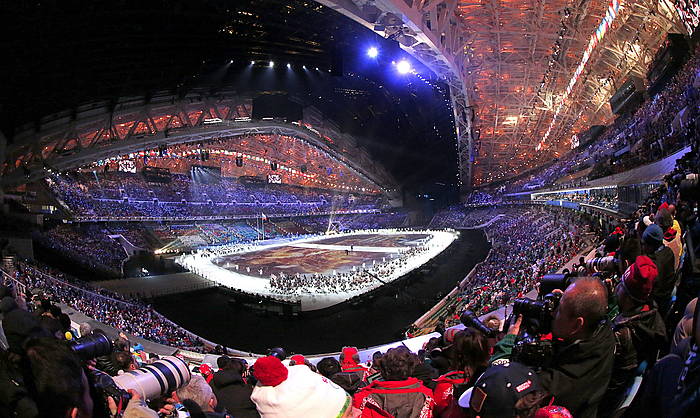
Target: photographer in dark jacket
<point>231,391</point>
<point>583,346</point>
<point>639,331</point>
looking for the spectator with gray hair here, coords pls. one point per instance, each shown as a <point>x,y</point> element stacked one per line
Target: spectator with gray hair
<point>200,395</point>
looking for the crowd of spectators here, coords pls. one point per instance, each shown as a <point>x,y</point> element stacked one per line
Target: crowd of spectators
<point>128,315</point>
<point>661,125</point>
<point>606,333</point>
<point>604,330</point>
<point>120,194</point>
<point>604,198</point>
<point>527,242</point>
<point>460,216</point>
<point>87,245</point>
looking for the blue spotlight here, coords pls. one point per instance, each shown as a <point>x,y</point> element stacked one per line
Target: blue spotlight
<point>403,67</point>
<point>372,52</point>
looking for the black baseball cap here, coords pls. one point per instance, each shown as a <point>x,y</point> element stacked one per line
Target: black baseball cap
<point>499,388</point>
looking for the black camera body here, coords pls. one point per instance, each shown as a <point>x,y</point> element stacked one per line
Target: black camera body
<point>531,348</point>
<point>537,313</point>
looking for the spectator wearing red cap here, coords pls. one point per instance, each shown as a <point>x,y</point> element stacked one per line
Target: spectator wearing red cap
<point>639,330</point>
<point>350,362</point>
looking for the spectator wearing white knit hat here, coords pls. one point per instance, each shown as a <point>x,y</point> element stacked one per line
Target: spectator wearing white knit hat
<point>297,392</point>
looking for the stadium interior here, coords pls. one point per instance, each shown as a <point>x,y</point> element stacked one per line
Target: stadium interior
<point>350,208</point>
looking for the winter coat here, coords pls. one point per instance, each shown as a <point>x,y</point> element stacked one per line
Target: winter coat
<point>401,399</point>
<point>580,372</point>
<point>638,338</point>
<point>666,279</point>
<point>447,392</point>
<point>233,394</point>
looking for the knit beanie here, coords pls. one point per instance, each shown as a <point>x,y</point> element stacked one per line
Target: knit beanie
<point>269,371</point>
<point>653,235</point>
<point>301,394</point>
<point>298,359</point>
<point>638,280</point>
<point>348,354</point>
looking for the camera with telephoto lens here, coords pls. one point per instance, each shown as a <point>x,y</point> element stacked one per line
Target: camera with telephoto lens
<point>608,264</point>
<point>150,381</point>
<point>469,319</point>
<point>532,349</point>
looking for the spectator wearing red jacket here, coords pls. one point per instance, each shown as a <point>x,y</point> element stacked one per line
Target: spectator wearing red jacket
<point>398,395</point>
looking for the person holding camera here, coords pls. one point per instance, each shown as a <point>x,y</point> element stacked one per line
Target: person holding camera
<point>640,332</point>
<point>583,344</point>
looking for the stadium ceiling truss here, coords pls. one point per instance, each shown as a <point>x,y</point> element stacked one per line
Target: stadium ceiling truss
<point>100,131</point>
<point>509,62</point>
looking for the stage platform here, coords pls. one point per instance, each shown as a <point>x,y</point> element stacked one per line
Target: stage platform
<point>386,254</point>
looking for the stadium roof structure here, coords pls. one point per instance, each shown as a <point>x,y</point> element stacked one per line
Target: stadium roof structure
<point>524,75</point>
<point>103,130</point>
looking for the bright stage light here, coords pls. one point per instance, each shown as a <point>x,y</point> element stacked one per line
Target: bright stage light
<point>289,65</point>
<point>272,64</point>
<point>372,52</point>
<point>252,63</point>
<point>303,66</point>
<point>403,67</point>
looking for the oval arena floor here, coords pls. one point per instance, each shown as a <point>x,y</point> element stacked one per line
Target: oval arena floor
<point>334,268</point>
<point>339,254</point>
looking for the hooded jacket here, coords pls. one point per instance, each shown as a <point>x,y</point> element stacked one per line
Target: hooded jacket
<point>400,398</point>
<point>233,394</point>
<point>638,337</point>
<point>580,372</point>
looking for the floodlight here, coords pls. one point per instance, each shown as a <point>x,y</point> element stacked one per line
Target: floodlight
<point>252,63</point>
<point>272,64</point>
<point>403,67</point>
<point>372,52</point>
<point>289,65</point>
